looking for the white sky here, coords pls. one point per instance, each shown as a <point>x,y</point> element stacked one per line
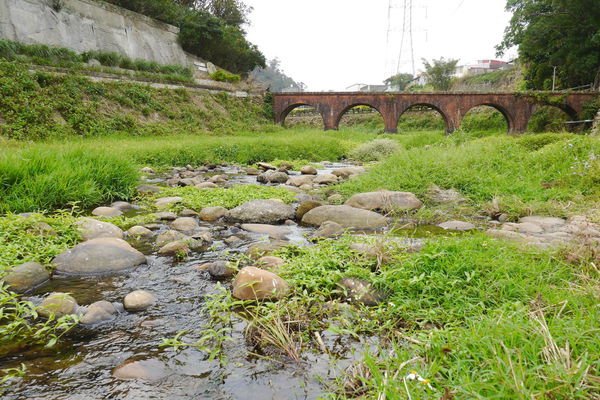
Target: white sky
<point>332,44</point>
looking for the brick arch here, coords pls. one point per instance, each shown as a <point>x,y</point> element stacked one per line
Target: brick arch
<point>447,122</point>
<point>340,114</point>
<point>516,107</point>
<point>508,117</point>
<point>283,115</point>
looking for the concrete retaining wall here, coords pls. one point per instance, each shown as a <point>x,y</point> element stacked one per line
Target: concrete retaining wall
<point>84,25</point>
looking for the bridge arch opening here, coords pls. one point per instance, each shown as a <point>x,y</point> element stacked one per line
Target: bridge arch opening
<point>422,117</point>
<point>302,114</point>
<point>546,118</point>
<point>361,115</point>
<point>486,117</point>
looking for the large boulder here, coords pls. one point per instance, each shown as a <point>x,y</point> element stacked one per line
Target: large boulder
<point>253,283</point>
<point>261,212</point>
<point>90,228</point>
<point>346,216</point>
<point>26,276</point>
<point>169,236</point>
<point>98,256</point>
<point>306,206</point>
<point>57,304</point>
<point>385,200</point>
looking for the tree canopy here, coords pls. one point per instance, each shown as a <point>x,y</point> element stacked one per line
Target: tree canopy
<point>555,33</point>
<point>399,81</point>
<point>440,72</point>
<point>274,78</point>
<point>211,29</point>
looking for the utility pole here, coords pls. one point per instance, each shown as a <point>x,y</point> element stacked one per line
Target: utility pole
<point>554,78</point>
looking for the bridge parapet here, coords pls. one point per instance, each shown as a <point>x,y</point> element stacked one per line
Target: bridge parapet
<point>516,108</point>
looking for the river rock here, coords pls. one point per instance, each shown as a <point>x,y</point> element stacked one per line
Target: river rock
<point>545,223</point>
<point>148,370</point>
<point>165,216</point>
<point>274,232</point>
<point>108,212</point>
<point>188,213</point>
<point>270,262</point>
<point>253,283</point>
<point>57,304</point>
<point>27,276</point>
<point>122,205</point>
<point>41,228</point>
<point>97,312</point>
<point>175,248</point>
<point>299,181</point>
<point>265,167</point>
<point>308,170</point>
<point>329,229</point>
<point>325,179</point>
<point>306,206</point>
<point>139,300</point>
<point>460,226</point>
<point>251,171</point>
<point>90,228</point>
<point>212,214</point>
<point>346,216</point>
<point>218,179</point>
<point>360,291</point>
<point>165,202</point>
<point>219,269</point>
<point>99,256</point>
<point>347,172</point>
<point>146,189</point>
<point>139,231</point>
<point>207,185</point>
<point>168,237</point>
<point>185,224</point>
<point>272,177</point>
<point>147,170</point>
<point>261,212</point>
<point>385,201</point>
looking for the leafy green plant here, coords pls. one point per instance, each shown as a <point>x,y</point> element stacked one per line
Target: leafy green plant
<point>225,76</point>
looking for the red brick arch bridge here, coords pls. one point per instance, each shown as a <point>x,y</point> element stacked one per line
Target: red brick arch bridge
<point>516,108</point>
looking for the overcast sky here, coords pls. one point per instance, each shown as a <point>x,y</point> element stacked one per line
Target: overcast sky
<point>332,44</point>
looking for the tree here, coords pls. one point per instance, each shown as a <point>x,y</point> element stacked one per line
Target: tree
<point>555,33</point>
<point>399,81</point>
<point>440,73</point>
<point>274,78</point>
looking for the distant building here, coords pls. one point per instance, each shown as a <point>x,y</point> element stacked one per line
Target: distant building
<point>481,67</point>
<point>364,87</point>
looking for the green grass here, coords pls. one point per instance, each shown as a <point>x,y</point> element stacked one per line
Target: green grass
<point>478,313</point>
<point>196,199</point>
<point>546,173</point>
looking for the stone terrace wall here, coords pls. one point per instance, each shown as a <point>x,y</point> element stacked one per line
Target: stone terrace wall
<point>84,25</point>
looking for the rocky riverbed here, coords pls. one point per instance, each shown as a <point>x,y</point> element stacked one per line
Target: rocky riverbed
<point>133,288</point>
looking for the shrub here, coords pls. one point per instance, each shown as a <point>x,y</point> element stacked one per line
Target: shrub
<point>374,150</point>
<point>224,76</point>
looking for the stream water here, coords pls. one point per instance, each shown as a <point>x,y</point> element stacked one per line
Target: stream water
<point>82,365</point>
